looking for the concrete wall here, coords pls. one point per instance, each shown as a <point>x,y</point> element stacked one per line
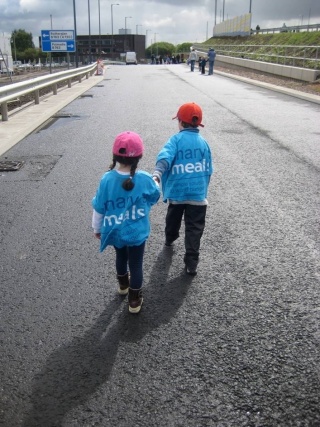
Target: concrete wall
<point>297,73</point>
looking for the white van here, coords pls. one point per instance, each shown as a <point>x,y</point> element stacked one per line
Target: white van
<point>131,58</point>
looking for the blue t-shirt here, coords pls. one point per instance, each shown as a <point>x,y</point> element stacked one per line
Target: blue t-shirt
<point>189,166</point>
<point>126,213</point>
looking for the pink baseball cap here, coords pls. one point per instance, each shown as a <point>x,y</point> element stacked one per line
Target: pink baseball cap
<point>128,144</point>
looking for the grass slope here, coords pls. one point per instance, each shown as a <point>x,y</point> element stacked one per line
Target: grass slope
<point>311,38</point>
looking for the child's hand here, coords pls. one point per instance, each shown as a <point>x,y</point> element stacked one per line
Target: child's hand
<point>97,235</point>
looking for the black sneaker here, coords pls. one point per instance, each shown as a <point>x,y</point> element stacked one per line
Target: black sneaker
<point>135,300</point>
<point>168,243</point>
<point>191,271</point>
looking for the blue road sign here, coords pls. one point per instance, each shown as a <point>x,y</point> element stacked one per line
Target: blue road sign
<point>58,41</point>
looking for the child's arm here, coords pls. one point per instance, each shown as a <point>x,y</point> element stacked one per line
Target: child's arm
<point>161,167</point>
<point>97,220</point>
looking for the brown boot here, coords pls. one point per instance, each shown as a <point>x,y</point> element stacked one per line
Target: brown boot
<point>135,300</point>
<point>123,281</point>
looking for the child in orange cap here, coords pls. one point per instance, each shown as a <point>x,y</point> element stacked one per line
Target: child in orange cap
<point>184,167</point>
<point>121,210</point>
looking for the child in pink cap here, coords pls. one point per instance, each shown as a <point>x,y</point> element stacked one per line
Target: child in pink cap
<point>121,210</point>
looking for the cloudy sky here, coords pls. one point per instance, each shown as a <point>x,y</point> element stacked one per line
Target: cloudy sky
<point>173,21</point>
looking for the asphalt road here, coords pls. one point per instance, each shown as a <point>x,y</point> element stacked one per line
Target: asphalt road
<point>237,345</point>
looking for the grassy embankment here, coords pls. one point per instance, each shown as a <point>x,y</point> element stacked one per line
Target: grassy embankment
<point>269,44</point>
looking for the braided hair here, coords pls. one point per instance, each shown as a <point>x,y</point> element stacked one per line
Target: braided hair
<point>128,183</point>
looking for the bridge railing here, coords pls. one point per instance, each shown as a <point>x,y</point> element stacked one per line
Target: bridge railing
<point>16,90</point>
<point>294,56</point>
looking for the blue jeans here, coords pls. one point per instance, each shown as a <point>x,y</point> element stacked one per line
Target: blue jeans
<point>192,62</point>
<point>131,256</point>
<point>211,64</point>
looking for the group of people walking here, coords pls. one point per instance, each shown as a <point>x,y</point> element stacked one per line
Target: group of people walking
<point>125,196</point>
<point>166,59</point>
<point>211,56</point>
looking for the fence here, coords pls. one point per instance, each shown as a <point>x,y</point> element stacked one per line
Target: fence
<point>295,56</point>
<point>17,90</point>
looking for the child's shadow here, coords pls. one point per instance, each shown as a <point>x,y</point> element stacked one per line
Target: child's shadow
<point>74,371</point>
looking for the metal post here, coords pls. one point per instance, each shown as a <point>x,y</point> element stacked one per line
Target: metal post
<point>215,13</point>
<point>99,28</point>
<point>156,44</point>
<point>113,4</point>
<point>90,58</point>
<point>125,31</point>
<point>75,33</point>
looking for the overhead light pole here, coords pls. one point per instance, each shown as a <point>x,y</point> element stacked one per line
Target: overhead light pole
<point>99,27</point>
<point>13,41</point>
<point>215,13</point>
<point>155,42</point>
<point>147,37</point>
<point>250,6</point>
<point>89,23</point>
<point>125,31</point>
<point>125,23</point>
<point>75,32</point>
<point>113,4</point>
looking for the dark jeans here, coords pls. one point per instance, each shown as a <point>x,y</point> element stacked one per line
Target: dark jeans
<point>192,62</point>
<point>194,219</point>
<point>131,256</point>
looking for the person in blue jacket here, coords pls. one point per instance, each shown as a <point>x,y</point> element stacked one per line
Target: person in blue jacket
<point>211,59</point>
<point>121,210</point>
<point>184,167</point>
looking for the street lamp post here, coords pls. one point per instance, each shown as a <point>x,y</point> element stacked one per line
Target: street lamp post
<point>250,6</point>
<point>155,42</point>
<point>13,41</point>
<point>147,37</point>
<point>89,22</point>
<point>75,32</point>
<point>99,27</point>
<point>113,4</point>
<point>125,24</point>
<point>125,31</point>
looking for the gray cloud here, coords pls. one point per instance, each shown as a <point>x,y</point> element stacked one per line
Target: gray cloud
<point>174,21</point>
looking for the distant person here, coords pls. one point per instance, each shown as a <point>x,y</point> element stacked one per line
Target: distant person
<point>121,210</point>
<point>211,59</point>
<point>203,65</point>
<point>178,58</point>
<point>183,168</point>
<point>192,59</point>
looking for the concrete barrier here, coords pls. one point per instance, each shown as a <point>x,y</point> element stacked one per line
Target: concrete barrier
<point>297,73</point>
<point>304,74</point>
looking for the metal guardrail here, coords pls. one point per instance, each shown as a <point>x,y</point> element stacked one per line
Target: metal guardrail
<point>295,56</point>
<point>16,90</point>
<point>290,29</point>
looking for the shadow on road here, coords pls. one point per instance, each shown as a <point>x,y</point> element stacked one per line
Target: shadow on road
<point>76,370</point>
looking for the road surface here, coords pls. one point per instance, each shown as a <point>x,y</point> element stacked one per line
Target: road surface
<point>238,344</point>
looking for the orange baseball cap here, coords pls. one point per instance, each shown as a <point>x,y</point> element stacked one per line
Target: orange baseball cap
<point>190,113</point>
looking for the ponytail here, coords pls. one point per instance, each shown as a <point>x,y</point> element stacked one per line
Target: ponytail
<point>128,183</point>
